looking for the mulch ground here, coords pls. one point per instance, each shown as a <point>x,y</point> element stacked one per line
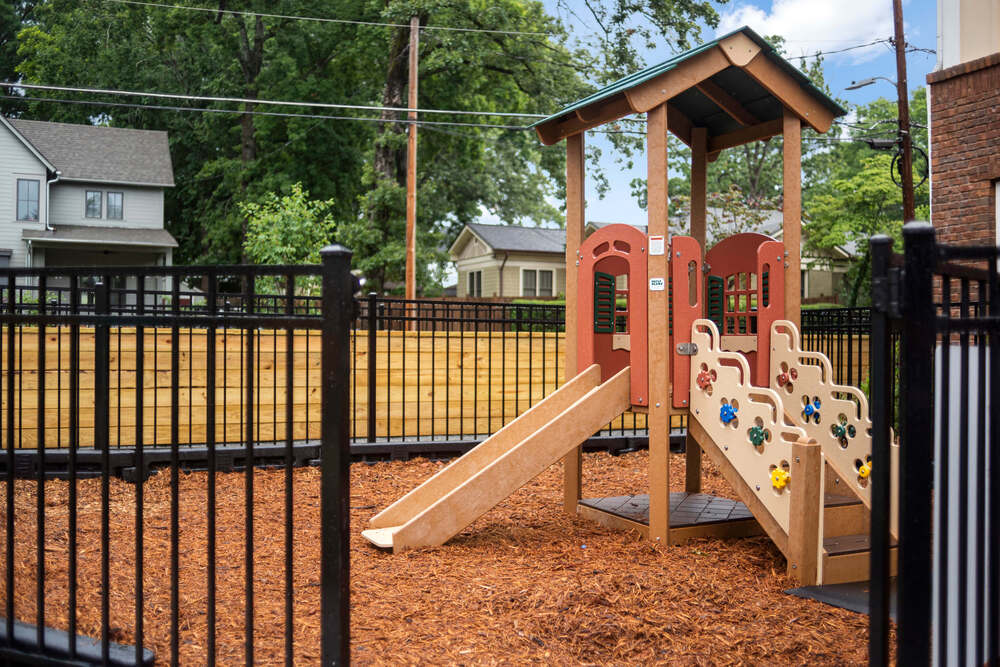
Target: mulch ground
<point>524,584</point>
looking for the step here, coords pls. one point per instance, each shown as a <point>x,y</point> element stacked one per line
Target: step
<point>844,515</point>
<point>846,558</point>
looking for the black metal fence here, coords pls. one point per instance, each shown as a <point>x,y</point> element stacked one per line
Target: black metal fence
<point>201,567</point>
<point>942,299</point>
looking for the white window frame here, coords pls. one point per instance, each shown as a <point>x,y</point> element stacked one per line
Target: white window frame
<point>474,280</point>
<point>121,215</point>
<point>86,201</point>
<point>536,272</point>
<point>17,199</point>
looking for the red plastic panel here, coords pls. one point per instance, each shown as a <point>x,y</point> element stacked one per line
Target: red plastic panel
<point>617,250</point>
<point>771,304</point>
<point>687,305</point>
<point>735,260</point>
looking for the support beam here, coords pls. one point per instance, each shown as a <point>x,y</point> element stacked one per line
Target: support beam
<point>658,419</point>
<point>699,224</point>
<point>650,94</point>
<point>727,103</point>
<point>791,93</point>
<point>745,135</point>
<point>805,522</point>
<point>679,124</point>
<point>791,210</point>
<point>575,216</point>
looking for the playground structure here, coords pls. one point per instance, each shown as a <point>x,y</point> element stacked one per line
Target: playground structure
<point>664,328</point>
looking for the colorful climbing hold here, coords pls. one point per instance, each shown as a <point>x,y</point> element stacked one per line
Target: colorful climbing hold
<point>779,478</point>
<point>704,380</point>
<point>782,379</point>
<point>727,413</point>
<point>865,470</point>
<point>808,410</point>
<point>757,435</point>
<point>839,431</point>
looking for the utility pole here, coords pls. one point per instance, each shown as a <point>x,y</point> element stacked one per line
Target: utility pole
<point>906,164</point>
<point>411,166</point>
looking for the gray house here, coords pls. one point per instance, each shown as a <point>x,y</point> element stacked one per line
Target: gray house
<point>82,195</point>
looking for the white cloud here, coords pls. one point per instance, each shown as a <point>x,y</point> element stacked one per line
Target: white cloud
<point>810,26</point>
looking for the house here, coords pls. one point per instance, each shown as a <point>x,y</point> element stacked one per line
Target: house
<point>82,195</point>
<point>509,261</point>
<point>513,261</point>
<point>963,96</point>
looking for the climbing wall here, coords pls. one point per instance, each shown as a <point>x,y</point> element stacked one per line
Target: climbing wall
<point>745,422</point>
<point>836,416</point>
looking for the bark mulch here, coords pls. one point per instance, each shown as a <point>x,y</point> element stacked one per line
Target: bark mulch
<point>524,584</point>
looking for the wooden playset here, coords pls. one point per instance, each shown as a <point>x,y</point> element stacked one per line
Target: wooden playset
<point>662,327</point>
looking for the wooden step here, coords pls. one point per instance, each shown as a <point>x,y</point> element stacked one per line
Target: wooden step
<point>844,515</point>
<point>846,558</point>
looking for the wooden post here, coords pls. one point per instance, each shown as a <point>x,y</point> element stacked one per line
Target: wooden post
<point>411,166</point>
<point>805,524</point>
<point>699,222</point>
<point>658,420</point>
<point>575,207</point>
<point>792,215</point>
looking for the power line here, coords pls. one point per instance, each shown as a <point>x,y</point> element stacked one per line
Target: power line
<point>849,48</point>
<point>322,19</point>
<point>279,114</point>
<point>248,100</point>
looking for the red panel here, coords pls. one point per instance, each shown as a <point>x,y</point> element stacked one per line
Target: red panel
<point>770,260</point>
<point>615,249</point>
<point>735,260</point>
<point>687,287</point>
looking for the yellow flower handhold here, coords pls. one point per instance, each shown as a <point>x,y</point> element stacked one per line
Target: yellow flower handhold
<point>865,470</point>
<point>779,478</point>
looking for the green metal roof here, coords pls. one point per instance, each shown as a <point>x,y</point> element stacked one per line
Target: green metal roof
<point>633,80</point>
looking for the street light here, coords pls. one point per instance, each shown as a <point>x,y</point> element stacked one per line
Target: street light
<point>867,82</point>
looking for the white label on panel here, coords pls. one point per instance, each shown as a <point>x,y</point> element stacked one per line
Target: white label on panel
<point>656,245</point>
<point>656,284</point>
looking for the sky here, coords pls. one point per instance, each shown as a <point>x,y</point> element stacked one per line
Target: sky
<point>808,26</point>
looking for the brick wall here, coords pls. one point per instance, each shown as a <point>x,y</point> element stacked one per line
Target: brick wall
<point>965,150</point>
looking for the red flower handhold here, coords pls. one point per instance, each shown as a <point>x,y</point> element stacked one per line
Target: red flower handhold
<point>704,380</point>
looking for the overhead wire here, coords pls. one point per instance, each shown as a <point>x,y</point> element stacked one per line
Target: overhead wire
<point>250,100</point>
<point>320,19</point>
<point>844,50</point>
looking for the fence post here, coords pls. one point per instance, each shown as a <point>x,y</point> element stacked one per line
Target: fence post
<point>916,459</point>
<point>372,343</point>
<point>338,315</point>
<point>879,360</point>
<point>102,361</point>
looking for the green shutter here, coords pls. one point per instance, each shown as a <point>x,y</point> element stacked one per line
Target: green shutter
<point>670,305</point>
<point>604,303</point>
<point>765,288</point>
<point>715,288</point>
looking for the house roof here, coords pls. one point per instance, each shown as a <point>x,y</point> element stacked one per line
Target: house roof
<point>113,236</point>
<point>100,154</point>
<point>514,238</point>
<point>729,85</point>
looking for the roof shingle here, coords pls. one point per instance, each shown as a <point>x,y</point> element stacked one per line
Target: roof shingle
<point>514,238</point>
<point>108,154</point>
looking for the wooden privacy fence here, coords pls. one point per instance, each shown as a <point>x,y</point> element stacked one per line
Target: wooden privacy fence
<point>427,385</point>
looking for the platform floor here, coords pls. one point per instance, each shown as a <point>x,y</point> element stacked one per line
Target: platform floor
<point>686,509</point>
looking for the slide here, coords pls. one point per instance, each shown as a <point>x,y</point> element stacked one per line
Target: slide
<point>441,507</point>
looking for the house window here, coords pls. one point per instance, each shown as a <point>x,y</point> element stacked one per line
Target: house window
<point>93,204</point>
<point>5,254</point>
<point>536,282</point>
<point>27,199</point>
<point>475,287</point>
<point>115,209</point>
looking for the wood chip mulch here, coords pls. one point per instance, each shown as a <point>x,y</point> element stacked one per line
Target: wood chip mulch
<point>524,584</point>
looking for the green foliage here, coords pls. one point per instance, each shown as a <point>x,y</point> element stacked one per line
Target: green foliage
<point>729,212</point>
<point>287,230</point>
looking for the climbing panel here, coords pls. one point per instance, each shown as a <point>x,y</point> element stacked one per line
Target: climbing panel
<point>835,415</point>
<point>745,422</point>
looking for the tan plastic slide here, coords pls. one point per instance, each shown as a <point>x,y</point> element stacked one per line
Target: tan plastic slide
<point>441,507</point>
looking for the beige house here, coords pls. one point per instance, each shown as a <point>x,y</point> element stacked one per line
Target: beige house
<point>511,261</point>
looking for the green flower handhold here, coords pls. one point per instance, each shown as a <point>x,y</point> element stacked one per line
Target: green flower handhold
<point>757,435</point>
<point>839,431</point>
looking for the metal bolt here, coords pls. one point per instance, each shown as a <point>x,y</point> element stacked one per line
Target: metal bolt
<point>725,447</point>
<point>684,402</point>
<point>657,404</point>
<point>796,459</point>
<point>836,481</point>
<point>678,254</point>
<point>794,566</point>
<point>758,487</point>
<point>697,411</point>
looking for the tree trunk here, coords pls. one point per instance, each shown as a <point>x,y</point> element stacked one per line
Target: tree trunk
<point>251,57</point>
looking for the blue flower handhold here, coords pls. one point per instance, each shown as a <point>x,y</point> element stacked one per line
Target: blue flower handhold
<point>727,413</point>
<point>809,409</point>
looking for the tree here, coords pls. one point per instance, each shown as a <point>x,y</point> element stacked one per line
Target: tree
<point>14,15</point>
<point>234,156</point>
<point>290,229</point>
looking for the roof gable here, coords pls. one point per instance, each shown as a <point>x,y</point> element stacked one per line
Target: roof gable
<point>27,144</point>
<point>735,86</point>
<point>514,238</point>
<point>100,154</point>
